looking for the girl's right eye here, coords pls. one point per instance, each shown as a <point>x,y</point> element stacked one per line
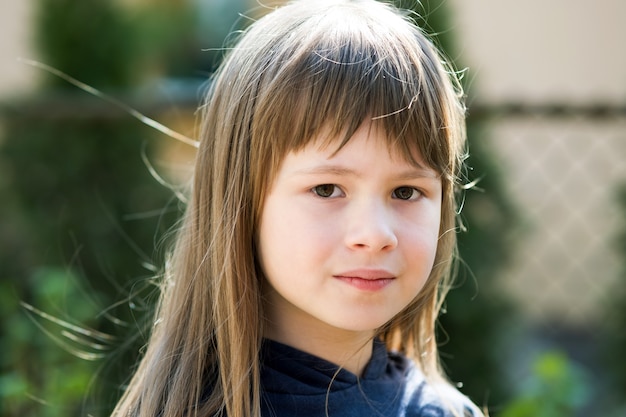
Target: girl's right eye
<point>326,190</point>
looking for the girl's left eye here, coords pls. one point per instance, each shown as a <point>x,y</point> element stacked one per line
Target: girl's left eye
<point>406,193</point>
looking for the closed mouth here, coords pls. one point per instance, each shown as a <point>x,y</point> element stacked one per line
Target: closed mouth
<point>366,279</point>
<point>367,274</point>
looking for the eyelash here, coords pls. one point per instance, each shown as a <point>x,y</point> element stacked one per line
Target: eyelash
<point>415,193</point>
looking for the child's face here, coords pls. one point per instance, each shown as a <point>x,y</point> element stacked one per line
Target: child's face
<point>346,241</point>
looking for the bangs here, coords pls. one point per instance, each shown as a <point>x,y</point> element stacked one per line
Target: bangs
<point>347,69</point>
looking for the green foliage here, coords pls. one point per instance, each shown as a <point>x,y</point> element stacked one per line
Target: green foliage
<point>78,197</point>
<point>39,378</point>
<point>614,337</point>
<point>90,39</point>
<point>76,222</point>
<point>557,388</point>
<point>165,37</point>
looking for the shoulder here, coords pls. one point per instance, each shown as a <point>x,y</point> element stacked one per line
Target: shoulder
<point>454,403</point>
<point>426,398</point>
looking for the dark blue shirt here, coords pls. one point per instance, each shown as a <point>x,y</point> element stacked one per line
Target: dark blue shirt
<point>297,384</point>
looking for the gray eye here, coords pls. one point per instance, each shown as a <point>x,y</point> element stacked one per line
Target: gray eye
<point>404,193</point>
<point>324,190</point>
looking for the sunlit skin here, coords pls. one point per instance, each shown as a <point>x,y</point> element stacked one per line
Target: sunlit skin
<point>346,241</point>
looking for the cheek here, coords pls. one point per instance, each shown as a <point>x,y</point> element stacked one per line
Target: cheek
<point>269,236</point>
<point>293,241</point>
<point>278,236</point>
<point>420,238</point>
<point>420,249</point>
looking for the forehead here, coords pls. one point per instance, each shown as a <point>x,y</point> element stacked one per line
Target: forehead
<point>367,147</point>
<point>372,133</point>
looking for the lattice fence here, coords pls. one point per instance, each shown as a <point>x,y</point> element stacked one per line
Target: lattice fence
<point>563,168</point>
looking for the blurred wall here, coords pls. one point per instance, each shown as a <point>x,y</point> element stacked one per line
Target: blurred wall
<point>537,51</point>
<point>562,168</point>
<point>16,29</point>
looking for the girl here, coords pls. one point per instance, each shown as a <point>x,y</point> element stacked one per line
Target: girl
<point>319,238</point>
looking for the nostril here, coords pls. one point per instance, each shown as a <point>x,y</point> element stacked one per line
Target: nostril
<point>373,241</point>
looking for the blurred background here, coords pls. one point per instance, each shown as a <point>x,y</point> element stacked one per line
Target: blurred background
<point>537,323</point>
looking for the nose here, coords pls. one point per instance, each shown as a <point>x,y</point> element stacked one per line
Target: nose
<point>370,227</point>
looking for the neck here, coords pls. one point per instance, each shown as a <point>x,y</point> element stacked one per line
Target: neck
<point>349,349</point>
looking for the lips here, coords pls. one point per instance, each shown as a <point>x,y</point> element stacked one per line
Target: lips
<point>366,279</point>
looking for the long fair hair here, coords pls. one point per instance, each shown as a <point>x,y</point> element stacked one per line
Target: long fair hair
<point>306,68</point>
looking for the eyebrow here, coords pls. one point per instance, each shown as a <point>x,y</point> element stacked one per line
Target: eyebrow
<point>412,174</point>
